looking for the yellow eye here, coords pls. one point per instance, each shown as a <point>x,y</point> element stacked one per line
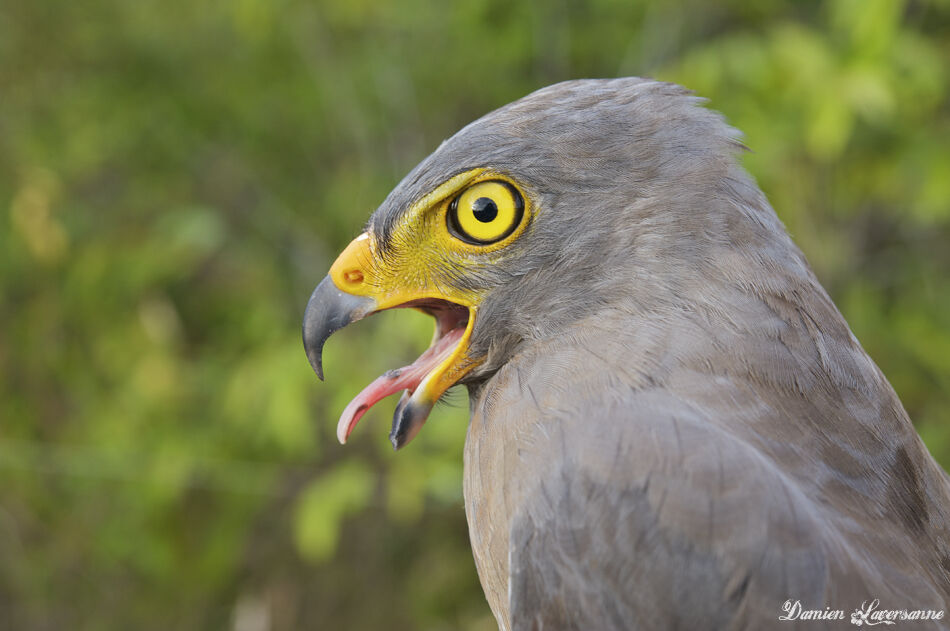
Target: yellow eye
<point>486,212</point>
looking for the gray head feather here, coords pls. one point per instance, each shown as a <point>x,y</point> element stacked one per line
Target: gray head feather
<point>640,201</point>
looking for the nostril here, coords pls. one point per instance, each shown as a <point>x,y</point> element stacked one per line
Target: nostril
<point>353,276</point>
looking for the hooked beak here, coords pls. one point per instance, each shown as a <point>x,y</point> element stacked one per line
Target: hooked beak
<point>328,311</point>
<point>331,308</point>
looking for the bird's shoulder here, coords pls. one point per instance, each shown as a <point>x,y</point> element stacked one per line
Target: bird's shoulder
<point>695,499</point>
<point>665,521</point>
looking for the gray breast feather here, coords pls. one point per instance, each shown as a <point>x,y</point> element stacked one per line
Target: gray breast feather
<point>703,498</point>
<point>681,528</point>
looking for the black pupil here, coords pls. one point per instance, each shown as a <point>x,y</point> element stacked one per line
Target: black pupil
<point>484,209</point>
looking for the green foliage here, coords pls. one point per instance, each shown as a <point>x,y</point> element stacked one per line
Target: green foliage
<point>175,177</point>
<point>325,503</point>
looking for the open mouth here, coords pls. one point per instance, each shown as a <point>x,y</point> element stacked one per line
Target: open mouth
<point>451,324</point>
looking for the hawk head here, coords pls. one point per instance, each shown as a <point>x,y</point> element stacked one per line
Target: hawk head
<point>582,197</point>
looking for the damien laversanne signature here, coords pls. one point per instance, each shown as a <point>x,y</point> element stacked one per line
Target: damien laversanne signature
<point>869,613</point>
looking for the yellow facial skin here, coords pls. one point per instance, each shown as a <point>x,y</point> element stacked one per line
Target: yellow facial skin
<point>423,250</point>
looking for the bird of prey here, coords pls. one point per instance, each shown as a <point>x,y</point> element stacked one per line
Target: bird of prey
<point>672,426</point>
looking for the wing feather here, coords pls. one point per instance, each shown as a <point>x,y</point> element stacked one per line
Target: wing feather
<point>704,497</point>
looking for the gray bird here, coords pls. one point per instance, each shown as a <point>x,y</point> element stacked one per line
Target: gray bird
<point>672,426</point>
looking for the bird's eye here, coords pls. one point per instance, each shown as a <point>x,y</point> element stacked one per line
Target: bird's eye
<point>486,212</point>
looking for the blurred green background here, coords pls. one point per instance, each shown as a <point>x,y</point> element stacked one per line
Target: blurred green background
<point>176,176</point>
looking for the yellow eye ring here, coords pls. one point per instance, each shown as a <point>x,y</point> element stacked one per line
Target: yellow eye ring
<point>486,212</point>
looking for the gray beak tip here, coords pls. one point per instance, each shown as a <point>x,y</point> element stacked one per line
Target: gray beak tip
<point>407,421</point>
<point>314,350</point>
<point>401,422</point>
<point>317,367</point>
<point>328,311</point>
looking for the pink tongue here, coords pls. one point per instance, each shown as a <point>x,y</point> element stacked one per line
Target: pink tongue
<point>407,378</point>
